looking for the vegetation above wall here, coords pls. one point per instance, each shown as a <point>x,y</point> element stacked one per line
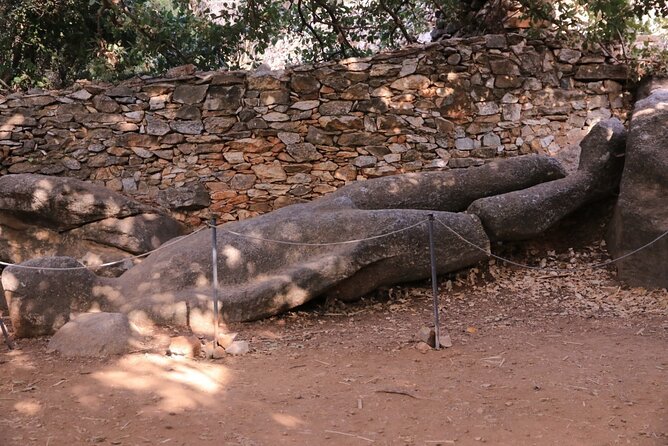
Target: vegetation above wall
<point>51,43</point>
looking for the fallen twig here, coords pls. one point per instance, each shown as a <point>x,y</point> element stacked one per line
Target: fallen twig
<point>350,435</point>
<point>398,392</point>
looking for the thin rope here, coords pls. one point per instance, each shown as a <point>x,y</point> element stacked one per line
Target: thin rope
<point>559,270</point>
<point>103,265</point>
<point>288,242</point>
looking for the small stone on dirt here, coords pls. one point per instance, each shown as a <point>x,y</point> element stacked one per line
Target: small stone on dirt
<point>444,340</point>
<point>95,335</point>
<point>238,348</point>
<point>422,347</point>
<point>226,339</point>
<point>188,346</point>
<point>428,336</point>
<point>214,353</point>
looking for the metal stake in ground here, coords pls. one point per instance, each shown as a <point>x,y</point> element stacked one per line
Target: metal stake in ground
<point>6,335</point>
<point>214,283</point>
<point>434,284</point>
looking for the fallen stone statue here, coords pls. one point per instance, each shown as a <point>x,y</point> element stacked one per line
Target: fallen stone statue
<point>361,237</point>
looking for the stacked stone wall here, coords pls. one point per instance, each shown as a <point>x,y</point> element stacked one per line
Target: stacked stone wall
<point>243,143</point>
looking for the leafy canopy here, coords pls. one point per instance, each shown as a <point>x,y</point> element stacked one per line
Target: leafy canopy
<point>53,42</point>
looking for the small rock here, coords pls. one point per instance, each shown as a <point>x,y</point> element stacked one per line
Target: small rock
<point>214,353</point>
<point>188,346</point>
<point>82,95</point>
<point>182,70</point>
<point>422,347</point>
<point>94,335</point>
<point>444,340</point>
<point>238,348</point>
<point>226,339</point>
<point>189,94</point>
<point>427,335</point>
<point>412,82</point>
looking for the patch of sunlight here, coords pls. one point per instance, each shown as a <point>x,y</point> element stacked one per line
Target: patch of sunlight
<point>201,321</point>
<point>650,111</point>
<point>444,92</point>
<point>287,420</point>
<point>28,407</point>
<point>39,199</point>
<point>9,281</point>
<point>202,281</point>
<point>42,234</point>
<point>107,292</point>
<point>251,268</point>
<point>232,256</point>
<point>180,383</point>
<point>393,188</point>
<point>83,202</point>
<point>449,181</point>
<point>92,259</point>
<point>123,226</point>
<point>293,296</point>
<point>16,119</point>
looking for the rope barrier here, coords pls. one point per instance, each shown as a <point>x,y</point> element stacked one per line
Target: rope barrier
<point>219,227</point>
<point>374,237</point>
<point>559,270</point>
<point>288,242</point>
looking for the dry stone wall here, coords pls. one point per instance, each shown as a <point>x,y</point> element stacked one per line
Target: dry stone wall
<point>243,143</point>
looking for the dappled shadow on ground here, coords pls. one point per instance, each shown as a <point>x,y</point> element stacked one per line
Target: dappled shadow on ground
<point>518,374</point>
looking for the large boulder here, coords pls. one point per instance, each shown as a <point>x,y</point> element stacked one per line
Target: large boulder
<point>526,213</point>
<point>60,216</point>
<point>344,245</point>
<point>641,212</point>
<point>63,203</point>
<point>41,293</point>
<point>95,335</point>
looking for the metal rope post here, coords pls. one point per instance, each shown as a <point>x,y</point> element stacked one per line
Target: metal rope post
<point>434,283</point>
<point>214,265</point>
<point>8,341</point>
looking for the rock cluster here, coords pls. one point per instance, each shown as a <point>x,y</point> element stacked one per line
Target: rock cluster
<point>244,143</point>
<point>58,216</point>
<point>294,254</point>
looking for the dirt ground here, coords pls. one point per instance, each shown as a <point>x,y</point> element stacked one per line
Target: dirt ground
<point>538,359</point>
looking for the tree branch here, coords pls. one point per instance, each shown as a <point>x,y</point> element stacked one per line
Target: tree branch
<point>397,21</point>
<point>342,38</point>
<point>308,26</point>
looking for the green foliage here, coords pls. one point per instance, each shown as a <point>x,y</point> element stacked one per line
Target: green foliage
<point>53,42</point>
<point>611,24</point>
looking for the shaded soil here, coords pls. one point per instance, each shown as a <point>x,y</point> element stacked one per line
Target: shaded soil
<point>539,358</point>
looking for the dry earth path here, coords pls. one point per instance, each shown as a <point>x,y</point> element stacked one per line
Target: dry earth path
<point>538,359</point>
